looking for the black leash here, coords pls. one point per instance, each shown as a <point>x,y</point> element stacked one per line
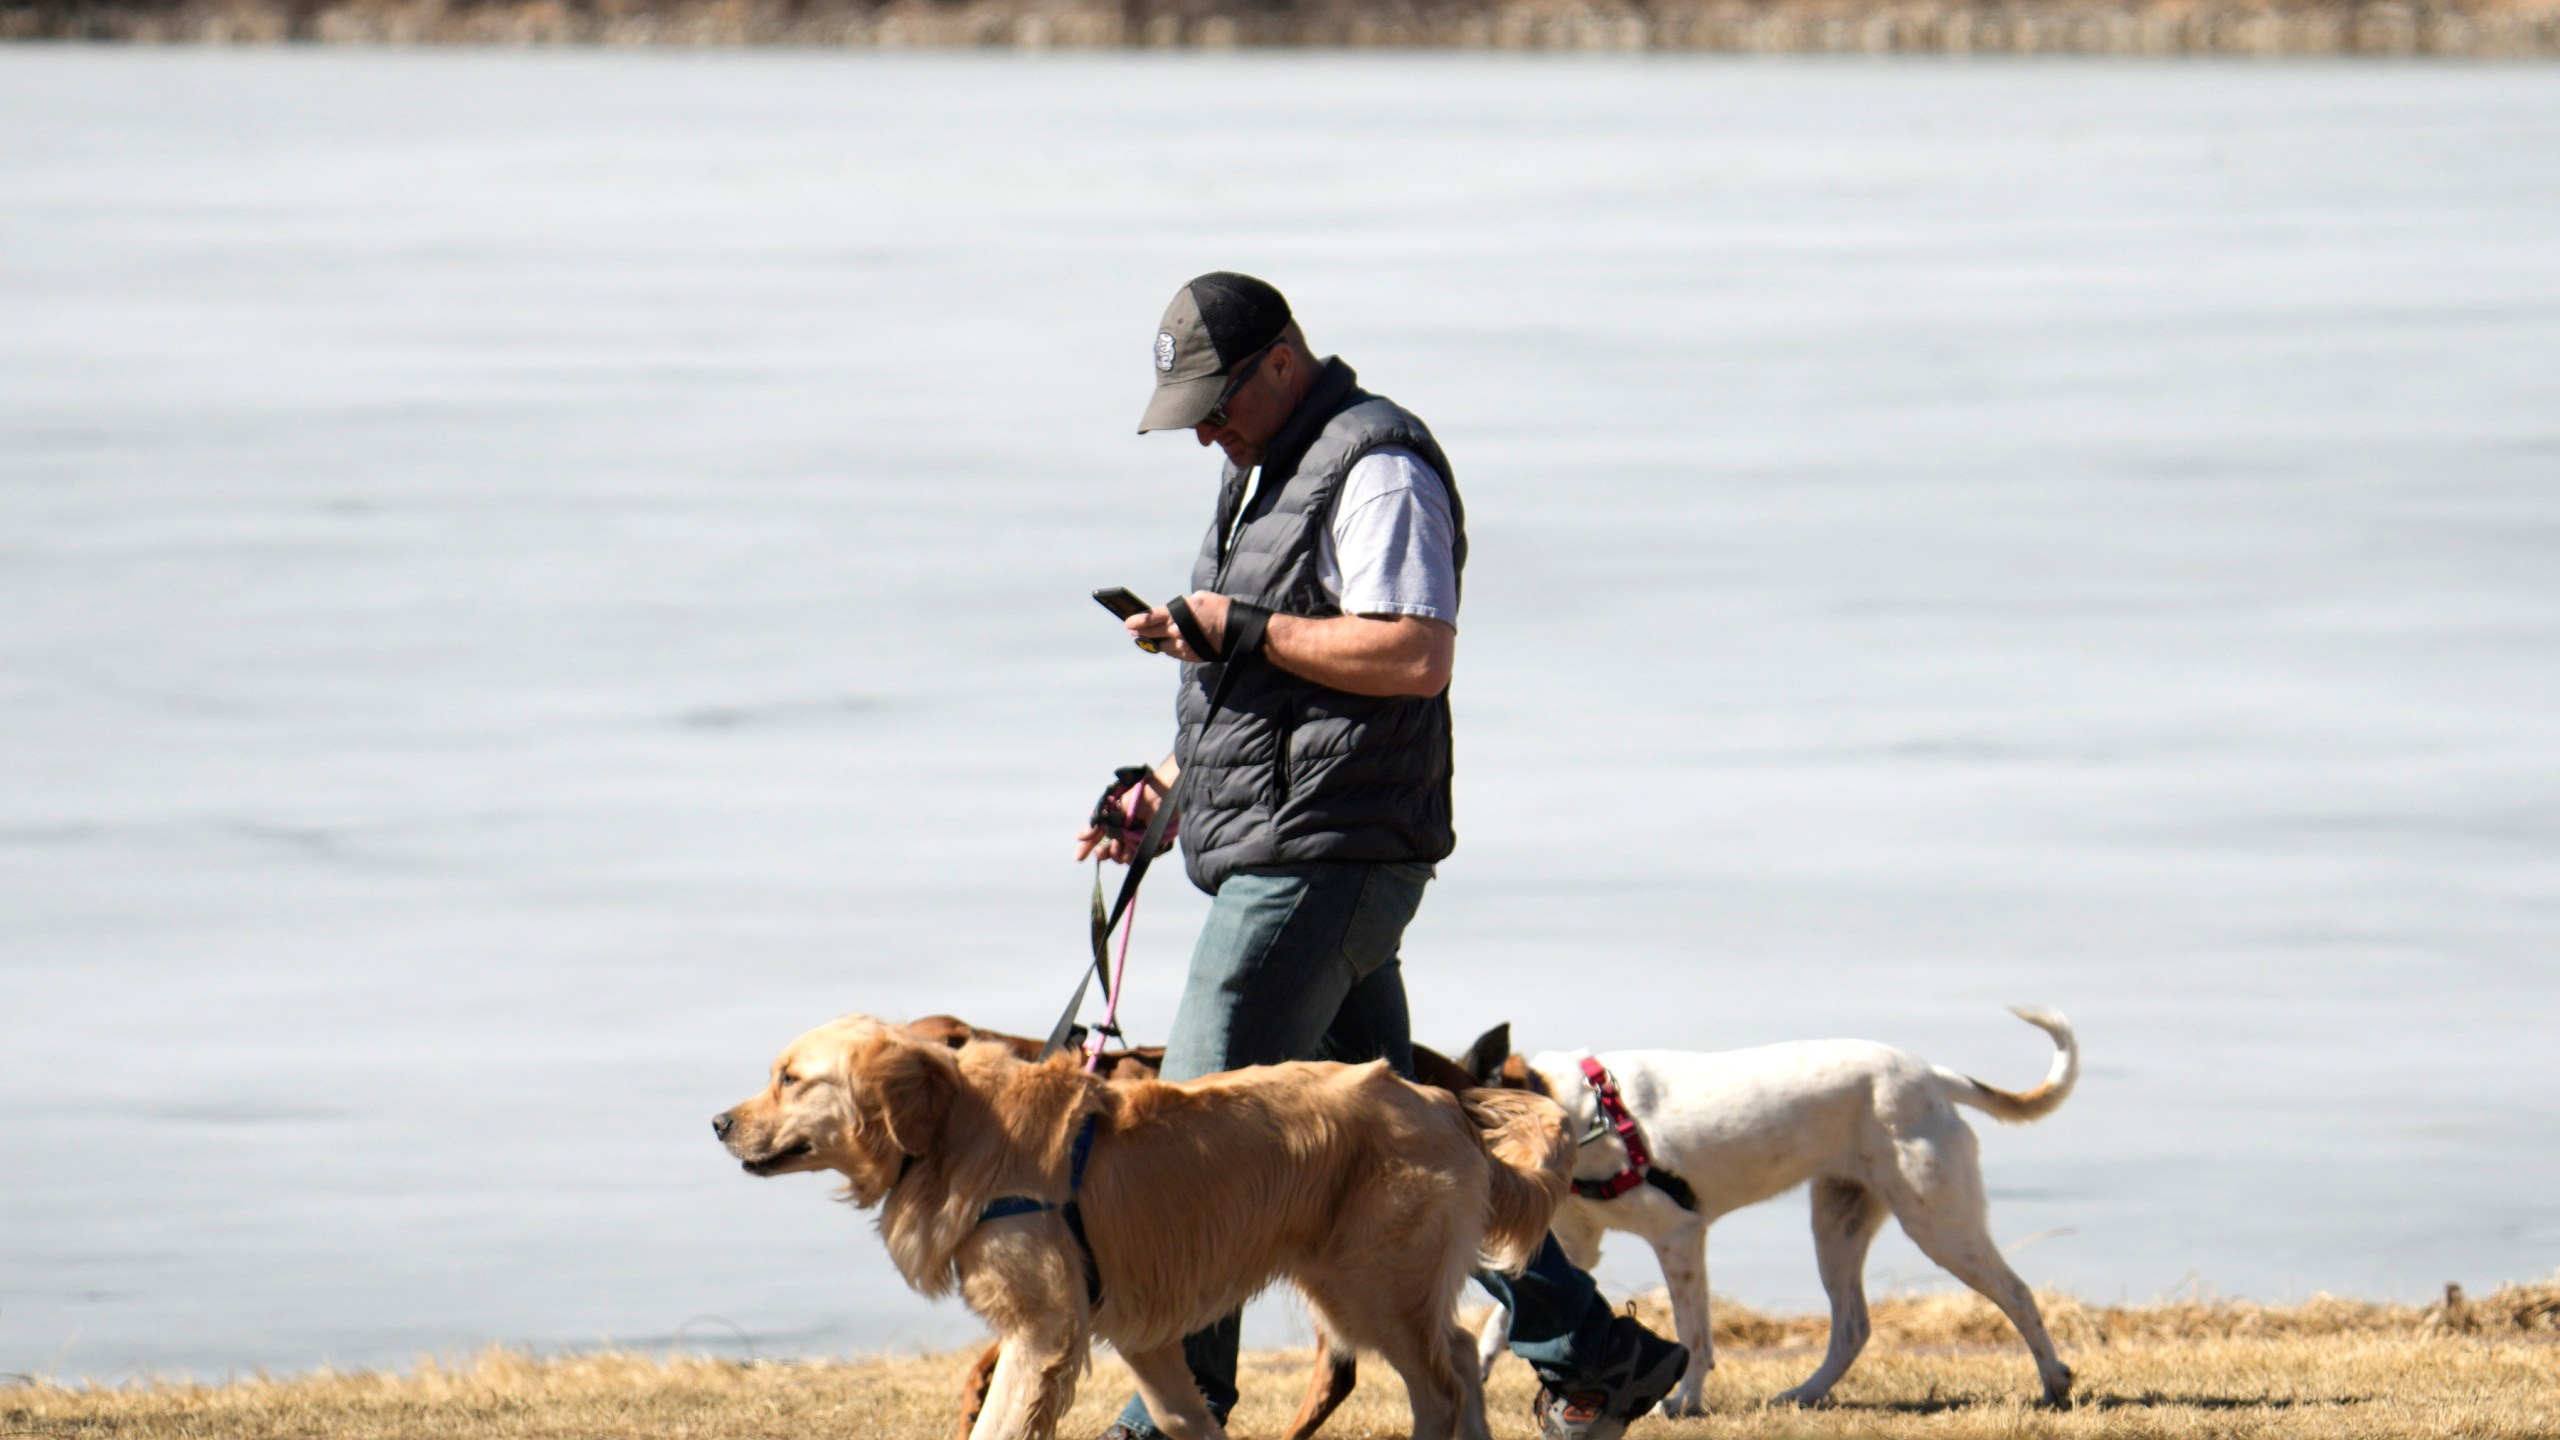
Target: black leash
<point>1247,625</point>
<point>1064,1033</point>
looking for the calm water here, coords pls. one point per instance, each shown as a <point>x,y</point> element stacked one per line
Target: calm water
<point>526,580</point>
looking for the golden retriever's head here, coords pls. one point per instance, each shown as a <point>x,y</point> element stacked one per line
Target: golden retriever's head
<point>854,1096</point>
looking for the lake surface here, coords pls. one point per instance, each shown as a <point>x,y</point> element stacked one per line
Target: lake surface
<point>526,580</point>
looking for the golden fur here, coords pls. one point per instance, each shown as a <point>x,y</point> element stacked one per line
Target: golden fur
<point>1372,1196</point>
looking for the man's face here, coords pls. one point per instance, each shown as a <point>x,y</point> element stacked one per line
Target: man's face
<point>1258,408</point>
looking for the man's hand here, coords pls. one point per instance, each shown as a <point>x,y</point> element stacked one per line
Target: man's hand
<point>1137,806</point>
<point>1363,654</point>
<point>1208,608</point>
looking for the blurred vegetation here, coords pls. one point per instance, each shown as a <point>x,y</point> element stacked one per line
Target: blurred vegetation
<point>2472,28</point>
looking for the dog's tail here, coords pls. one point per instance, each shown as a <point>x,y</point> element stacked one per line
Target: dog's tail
<point>1532,1170</point>
<point>2018,1109</point>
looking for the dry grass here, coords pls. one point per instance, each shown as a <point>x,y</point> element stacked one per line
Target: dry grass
<point>1944,1368</point>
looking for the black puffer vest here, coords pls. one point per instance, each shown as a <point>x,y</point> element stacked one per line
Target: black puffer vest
<point>1289,771</point>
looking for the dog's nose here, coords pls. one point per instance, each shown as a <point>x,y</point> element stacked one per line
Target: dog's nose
<point>720,1124</point>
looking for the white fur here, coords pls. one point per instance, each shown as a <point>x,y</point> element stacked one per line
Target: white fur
<point>1874,1129</point>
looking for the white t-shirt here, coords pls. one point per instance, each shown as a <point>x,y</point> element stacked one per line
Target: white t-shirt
<point>1391,549</point>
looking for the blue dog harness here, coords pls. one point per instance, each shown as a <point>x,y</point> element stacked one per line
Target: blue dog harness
<point>1005,1207</point>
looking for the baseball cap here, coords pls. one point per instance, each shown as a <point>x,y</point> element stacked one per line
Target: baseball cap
<point>1212,325</point>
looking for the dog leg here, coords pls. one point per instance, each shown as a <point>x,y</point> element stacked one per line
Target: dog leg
<point>1682,1249</point>
<point>1028,1392</point>
<point>1433,1359</point>
<point>1493,1341</point>
<point>1979,1265</point>
<point>1462,1363</point>
<point>1846,1216</point>
<point>1946,1215</point>
<point>1329,1383</point>
<point>1414,1334</point>
<point>973,1390</point>
<point>1164,1382</point>
<point>1026,1283</point>
<point>1964,1246</point>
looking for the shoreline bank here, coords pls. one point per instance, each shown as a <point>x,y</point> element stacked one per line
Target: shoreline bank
<point>2467,29</point>
<point>1911,1333</point>
<point>2301,1384</point>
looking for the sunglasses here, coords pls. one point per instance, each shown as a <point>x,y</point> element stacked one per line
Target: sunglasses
<point>1217,415</point>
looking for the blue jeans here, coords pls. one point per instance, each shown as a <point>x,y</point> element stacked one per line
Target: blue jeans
<point>1299,962</point>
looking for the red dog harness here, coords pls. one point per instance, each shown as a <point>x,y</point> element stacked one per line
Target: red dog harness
<point>1614,1112</point>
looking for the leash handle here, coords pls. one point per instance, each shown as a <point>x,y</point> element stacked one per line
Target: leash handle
<point>1157,826</point>
<point>1248,629</point>
<point>1178,609</point>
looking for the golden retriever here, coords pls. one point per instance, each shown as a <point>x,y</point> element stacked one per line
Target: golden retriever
<point>1335,1374</point>
<point>1374,1197</point>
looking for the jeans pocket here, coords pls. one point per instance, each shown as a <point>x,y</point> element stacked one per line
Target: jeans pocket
<point>1390,893</point>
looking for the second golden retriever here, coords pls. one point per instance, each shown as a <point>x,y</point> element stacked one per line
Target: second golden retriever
<point>1374,1197</point>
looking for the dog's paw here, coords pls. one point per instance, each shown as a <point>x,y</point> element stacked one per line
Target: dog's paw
<point>1803,1397</point>
<point>1683,1407</point>
<point>2057,1392</point>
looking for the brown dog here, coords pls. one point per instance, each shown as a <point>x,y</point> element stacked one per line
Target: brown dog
<point>1374,1197</point>
<point>1336,1373</point>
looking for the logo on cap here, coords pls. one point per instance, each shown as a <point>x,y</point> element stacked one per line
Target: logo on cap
<point>1164,352</point>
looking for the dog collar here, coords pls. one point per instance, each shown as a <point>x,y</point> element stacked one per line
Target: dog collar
<point>1613,1111</point>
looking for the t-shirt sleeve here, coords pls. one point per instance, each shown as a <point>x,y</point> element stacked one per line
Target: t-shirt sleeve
<point>1394,540</point>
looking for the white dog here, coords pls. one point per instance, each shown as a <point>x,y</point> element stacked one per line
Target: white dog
<point>1873,1128</point>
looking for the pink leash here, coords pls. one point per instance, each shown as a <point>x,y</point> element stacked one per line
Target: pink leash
<point>1119,971</point>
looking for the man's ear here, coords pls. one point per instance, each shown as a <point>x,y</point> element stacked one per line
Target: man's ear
<point>1484,1058</point>
<point>909,1084</point>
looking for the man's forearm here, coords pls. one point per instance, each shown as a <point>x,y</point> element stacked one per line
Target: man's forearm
<point>1365,655</point>
<point>1361,654</point>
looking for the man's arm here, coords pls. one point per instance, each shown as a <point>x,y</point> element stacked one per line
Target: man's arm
<point>1360,654</point>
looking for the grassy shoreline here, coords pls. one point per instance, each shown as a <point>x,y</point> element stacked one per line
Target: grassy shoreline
<point>2473,29</point>
<point>1944,1367</point>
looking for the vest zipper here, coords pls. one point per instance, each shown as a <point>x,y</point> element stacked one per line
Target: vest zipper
<point>1288,744</point>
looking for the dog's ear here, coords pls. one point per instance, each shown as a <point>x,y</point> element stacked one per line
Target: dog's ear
<point>1439,1072</point>
<point>908,1084</point>
<point>949,1031</point>
<point>1516,1075</point>
<point>1484,1058</point>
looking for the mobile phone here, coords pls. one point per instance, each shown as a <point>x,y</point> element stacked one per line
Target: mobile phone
<point>1119,601</point>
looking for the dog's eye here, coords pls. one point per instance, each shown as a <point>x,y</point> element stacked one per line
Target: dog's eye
<point>790,1079</point>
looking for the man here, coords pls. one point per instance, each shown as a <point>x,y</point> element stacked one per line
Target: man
<point>1313,755</point>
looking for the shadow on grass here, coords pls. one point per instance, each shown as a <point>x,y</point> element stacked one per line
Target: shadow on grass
<point>2161,1400</point>
<point>2147,1400</point>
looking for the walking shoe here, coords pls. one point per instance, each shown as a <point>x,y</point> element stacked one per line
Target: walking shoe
<point>1639,1369</point>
